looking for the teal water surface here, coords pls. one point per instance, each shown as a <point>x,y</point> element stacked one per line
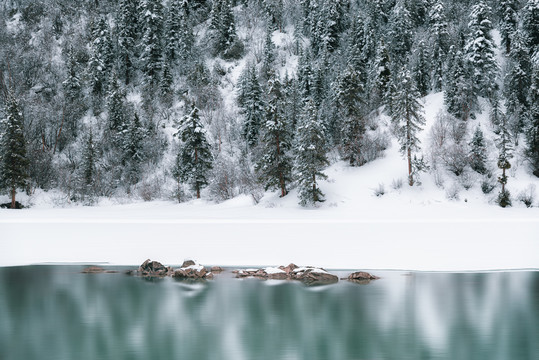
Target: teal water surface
<point>55,312</point>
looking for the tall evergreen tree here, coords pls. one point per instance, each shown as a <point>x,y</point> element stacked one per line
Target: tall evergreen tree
<point>439,40</point>
<point>508,10</point>
<point>420,67</point>
<point>127,23</point>
<point>532,133</point>
<point>116,106</point>
<point>530,25</point>
<point>504,144</point>
<point>480,50</point>
<point>478,152</point>
<point>459,97</point>
<point>275,165</point>
<point>252,107</point>
<point>173,26</point>
<point>13,159</point>
<point>102,55</point>
<point>517,83</point>
<point>88,165</point>
<point>268,59</point>
<point>223,29</point>
<point>349,92</point>
<point>72,83</point>
<point>379,76</point>
<point>310,155</point>
<point>407,118</point>
<point>151,22</point>
<point>132,146</point>
<point>401,33</point>
<point>194,160</point>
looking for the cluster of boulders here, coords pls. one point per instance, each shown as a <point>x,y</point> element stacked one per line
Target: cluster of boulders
<point>308,275</point>
<point>192,271</point>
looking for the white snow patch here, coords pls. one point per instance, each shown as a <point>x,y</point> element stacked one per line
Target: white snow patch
<point>273,270</point>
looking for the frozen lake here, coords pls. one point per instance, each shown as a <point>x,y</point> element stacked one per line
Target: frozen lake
<point>54,312</point>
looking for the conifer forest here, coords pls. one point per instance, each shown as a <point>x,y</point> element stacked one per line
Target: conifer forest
<point>187,99</point>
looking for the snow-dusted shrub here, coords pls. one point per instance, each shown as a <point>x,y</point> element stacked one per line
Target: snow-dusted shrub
<point>224,181</point>
<point>487,185</point>
<point>374,143</point>
<point>150,189</point>
<point>380,190</point>
<point>467,179</point>
<point>527,196</point>
<point>504,198</point>
<point>396,184</point>
<point>452,193</point>
<point>447,146</point>
<point>438,178</point>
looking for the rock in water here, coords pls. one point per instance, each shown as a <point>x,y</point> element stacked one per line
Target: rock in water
<point>187,263</point>
<point>314,276</point>
<point>361,277</point>
<point>192,271</point>
<point>154,268</point>
<point>93,270</point>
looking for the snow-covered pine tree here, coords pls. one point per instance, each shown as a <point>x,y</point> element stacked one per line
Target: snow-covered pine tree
<point>311,156</point>
<point>439,42</point>
<point>305,73</point>
<point>508,10</point>
<point>223,35</point>
<point>72,84</point>
<point>348,93</point>
<point>132,146</point>
<point>379,76</point>
<point>459,96</point>
<point>530,25</point>
<point>116,106</point>
<point>88,165</point>
<point>274,168</point>
<point>401,33</point>
<point>504,144</point>
<point>166,81</point>
<point>186,39</point>
<point>173,29</point>
<point>420,67</point>
<point>517,83</point>
<point>252,107</point>
<point>480,50</point>
<point>194,160</point>
<point>329,25</point>
<point>356,44</point>
<point>127,30</point>
<point>151,22</point>
<point>268,59</point>
<point>407,118</point>
<point>102,56</point>
<point>477,158</point>
<point>13,158</point>
<point>532,133</point>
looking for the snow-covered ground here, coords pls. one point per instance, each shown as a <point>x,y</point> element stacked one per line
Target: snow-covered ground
<point>412,228</point>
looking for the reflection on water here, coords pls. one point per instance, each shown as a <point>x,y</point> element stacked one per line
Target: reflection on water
<point>53,312</point>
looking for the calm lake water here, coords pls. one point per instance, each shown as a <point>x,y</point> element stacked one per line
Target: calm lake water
<point>54,312</point>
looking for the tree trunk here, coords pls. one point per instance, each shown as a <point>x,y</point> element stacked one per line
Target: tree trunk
<point>13,204</point>
<point>198,192</point>
<point>314,189</point>
<point>410,178</point>
<point>503,182</point>
<point>283,188</point>
<point>126,69</point>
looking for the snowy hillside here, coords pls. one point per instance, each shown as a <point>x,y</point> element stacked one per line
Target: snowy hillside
<point>350,133</point>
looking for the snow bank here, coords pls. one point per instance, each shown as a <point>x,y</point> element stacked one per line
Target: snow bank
<point>408,228</point>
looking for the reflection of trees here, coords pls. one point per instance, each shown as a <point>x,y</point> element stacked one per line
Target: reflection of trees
<point>57,313</point>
